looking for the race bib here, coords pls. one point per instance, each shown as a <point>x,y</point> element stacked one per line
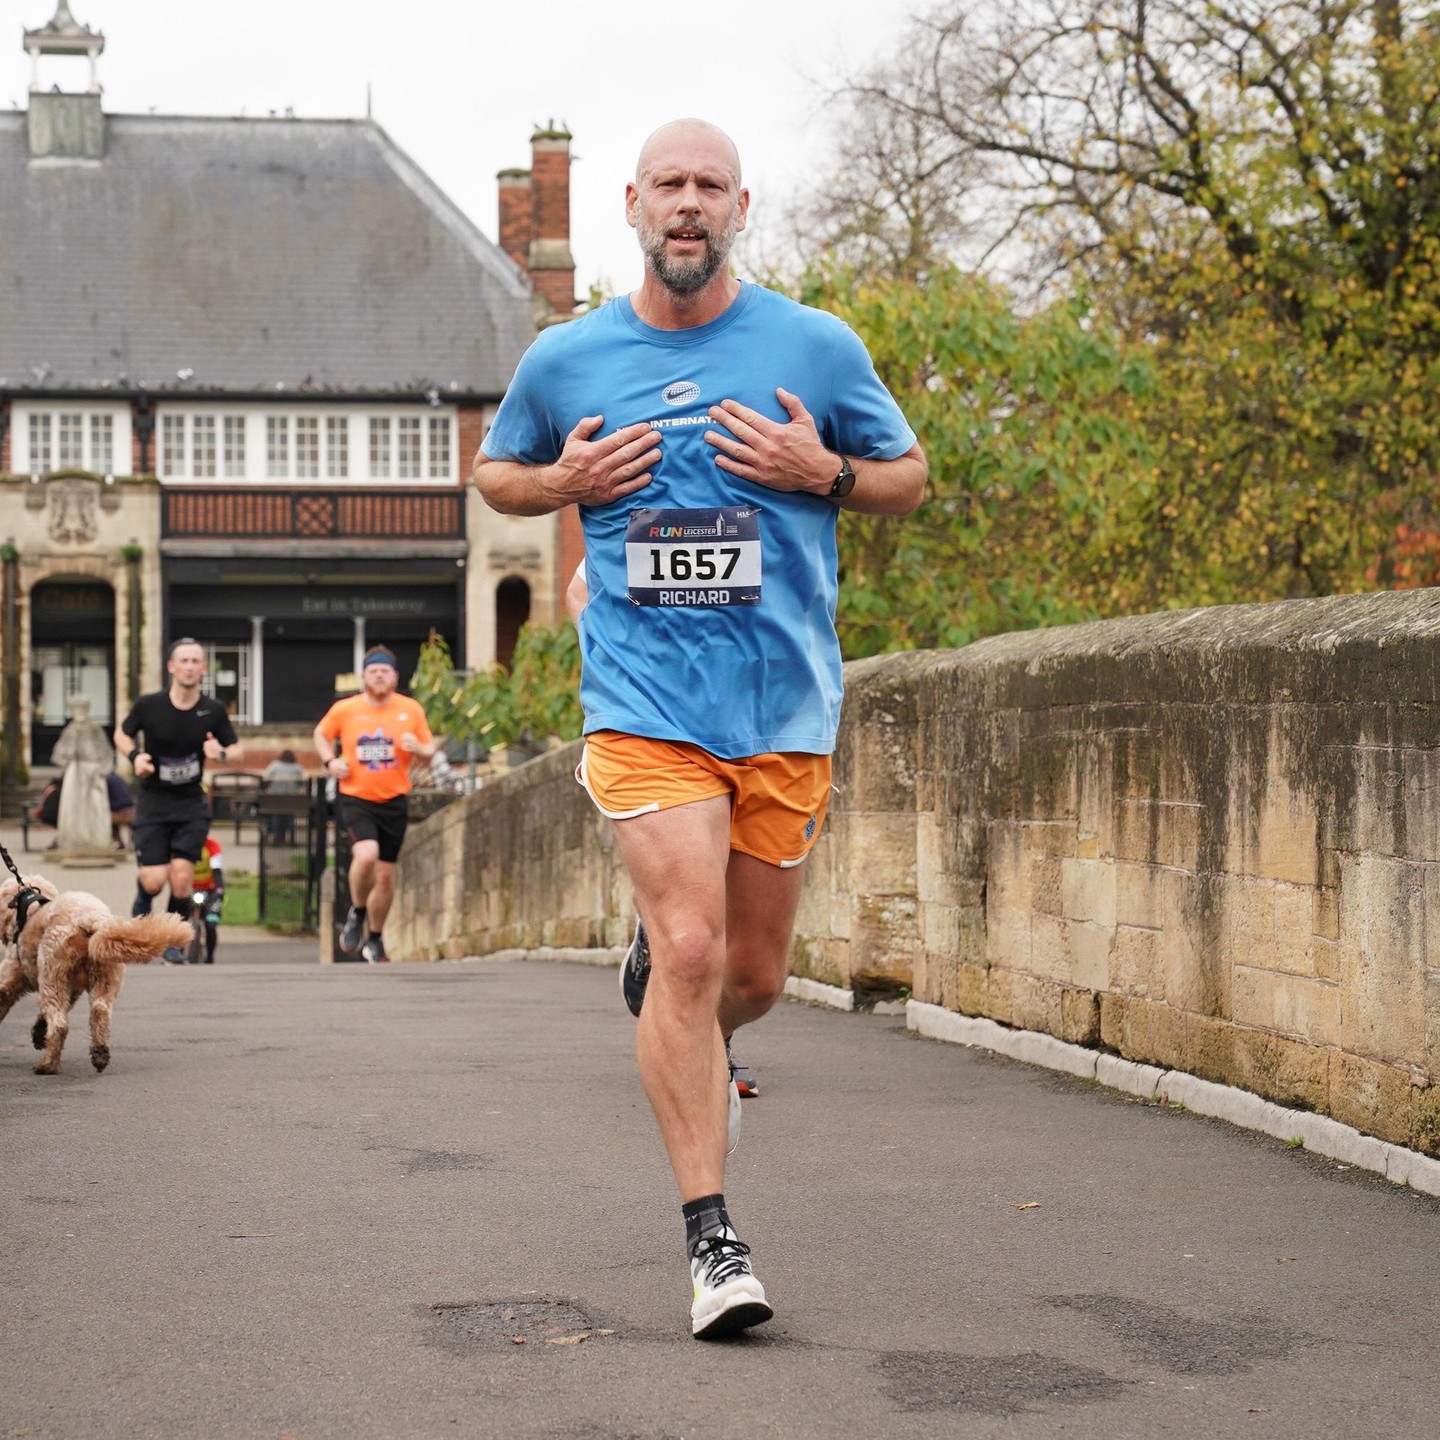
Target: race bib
<point>693,557</point>
<point>179,771</point>
<point>376,751</point>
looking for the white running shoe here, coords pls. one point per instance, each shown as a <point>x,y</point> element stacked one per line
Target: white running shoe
<point>728,1297</point>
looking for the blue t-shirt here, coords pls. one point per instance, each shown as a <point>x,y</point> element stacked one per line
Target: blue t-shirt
<point>712,598</point>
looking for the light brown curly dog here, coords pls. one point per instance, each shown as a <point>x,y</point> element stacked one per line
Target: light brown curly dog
<point>67,946</point>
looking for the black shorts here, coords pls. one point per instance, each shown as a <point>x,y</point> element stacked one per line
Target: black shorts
<point>382,820</point>
<point>170,831</point>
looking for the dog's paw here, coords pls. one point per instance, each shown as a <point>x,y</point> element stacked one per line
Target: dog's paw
<point>47,1067</point>
<point>99,1056</point>
<point>37,1033</point>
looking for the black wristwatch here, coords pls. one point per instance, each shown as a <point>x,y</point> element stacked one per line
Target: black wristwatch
<point>844,481</point>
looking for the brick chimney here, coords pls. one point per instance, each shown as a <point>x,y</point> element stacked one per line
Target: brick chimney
<point>517,215</point>
<point>550,263</point>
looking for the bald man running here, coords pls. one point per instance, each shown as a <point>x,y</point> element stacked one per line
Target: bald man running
<point>710,432</point>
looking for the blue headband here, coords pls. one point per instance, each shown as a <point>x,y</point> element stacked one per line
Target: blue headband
<point>380,657</point>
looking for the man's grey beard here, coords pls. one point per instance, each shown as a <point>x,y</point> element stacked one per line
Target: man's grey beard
<point>684,278</point>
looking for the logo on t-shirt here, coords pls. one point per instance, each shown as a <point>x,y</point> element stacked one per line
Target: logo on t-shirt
<point>680,392</point>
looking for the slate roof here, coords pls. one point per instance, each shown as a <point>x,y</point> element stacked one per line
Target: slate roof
<point>261,255</point>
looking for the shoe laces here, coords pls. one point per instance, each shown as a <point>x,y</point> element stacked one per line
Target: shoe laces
<point>722,1258</point>
<point>640,963</point>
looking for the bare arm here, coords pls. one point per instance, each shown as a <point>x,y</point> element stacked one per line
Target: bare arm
<point>577,593</point>
<point>588,472</point>
<point>791,456</point>
<point>132,750</point>
<point>331,763</point>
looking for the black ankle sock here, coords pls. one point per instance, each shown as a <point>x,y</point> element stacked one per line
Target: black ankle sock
<point>359,912</point>
<point>705,1217</point>
<point>143,901</point>
<point>181,905</point>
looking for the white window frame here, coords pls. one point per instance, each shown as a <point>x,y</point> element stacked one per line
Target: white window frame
<point>87,414</point>
<point>343,434</point>
<point>428,422</point>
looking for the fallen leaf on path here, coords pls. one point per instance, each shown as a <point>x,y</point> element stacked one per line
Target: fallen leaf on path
<point>568,1339</point>
<point>1030,1205</point>
<point>1285,1259</point>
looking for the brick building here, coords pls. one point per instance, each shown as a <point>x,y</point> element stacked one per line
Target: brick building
<point>244,366</point>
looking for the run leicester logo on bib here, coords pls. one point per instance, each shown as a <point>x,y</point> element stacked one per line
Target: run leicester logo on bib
<point>693,557</point>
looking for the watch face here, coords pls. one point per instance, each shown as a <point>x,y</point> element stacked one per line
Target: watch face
<point>845,480</point>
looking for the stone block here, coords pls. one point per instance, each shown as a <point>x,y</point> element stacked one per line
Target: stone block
<point>1090,950</point>
<point>1295,1005</point>
<point>1140,894</point>
<point>941,929</point>
<point>1047,884</point>
<point>1079,1016</point>
<point>1210,1046</point>
<point>1383,959</point>
<point>1050,952</point>
<point>882,764</point>
<point>1142,1030</point>
<point>1195,950</point>
<point>1325,912</point>
<point>1035,1004</point>
<point>1089,891</point>
<point>1136,967</point>
<point>1159,832</point>
<point>885,940</point>
<point>882,853</point>
<point>1000,995</point>
<point>1290,1072</point>
<point>1371,1096</point>
<point>1425,1119</point>
<point>1053,837</point>
<point>1278,831</point>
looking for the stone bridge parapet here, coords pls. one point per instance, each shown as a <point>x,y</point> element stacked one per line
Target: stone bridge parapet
<point>1205,840</point>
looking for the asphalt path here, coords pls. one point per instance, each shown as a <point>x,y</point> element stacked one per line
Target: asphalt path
<point>429,1201</point>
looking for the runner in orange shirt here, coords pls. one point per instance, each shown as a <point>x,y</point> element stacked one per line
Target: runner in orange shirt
<point>366,742</point>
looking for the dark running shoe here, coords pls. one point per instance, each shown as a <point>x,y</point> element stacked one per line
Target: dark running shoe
<point>728,1297</point>
<point>173,955</point>
<point>353,931</point>
<point>372,952</point>
<point>635,970</point>
<point>744,1077</point>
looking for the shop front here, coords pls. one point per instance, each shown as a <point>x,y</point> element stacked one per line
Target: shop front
<point>281,649</point>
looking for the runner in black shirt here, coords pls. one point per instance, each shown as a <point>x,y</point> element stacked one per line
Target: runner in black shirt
<point>167,737</point>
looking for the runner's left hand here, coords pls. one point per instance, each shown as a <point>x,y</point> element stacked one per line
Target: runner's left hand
<point>781,455</point>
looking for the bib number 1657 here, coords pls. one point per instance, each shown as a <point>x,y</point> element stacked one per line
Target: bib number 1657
<point>704,562</point>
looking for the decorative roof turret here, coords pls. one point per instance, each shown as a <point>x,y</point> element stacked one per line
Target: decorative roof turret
<point>64,35</point>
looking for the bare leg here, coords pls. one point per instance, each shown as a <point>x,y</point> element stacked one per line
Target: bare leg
<point>761,900</point>
<point>677,861</point>
<point>182,879</point>
<point>382,893</point>
<point>364,857</point>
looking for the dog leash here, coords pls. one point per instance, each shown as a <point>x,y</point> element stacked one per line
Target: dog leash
<point>26,898</point>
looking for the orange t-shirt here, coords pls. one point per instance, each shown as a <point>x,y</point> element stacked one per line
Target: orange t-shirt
<point>368,737</point>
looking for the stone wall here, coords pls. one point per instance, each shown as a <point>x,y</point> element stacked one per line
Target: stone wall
<point>1206,840</point>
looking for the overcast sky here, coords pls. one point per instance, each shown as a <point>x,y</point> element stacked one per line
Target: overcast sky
<point>460,84</point>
